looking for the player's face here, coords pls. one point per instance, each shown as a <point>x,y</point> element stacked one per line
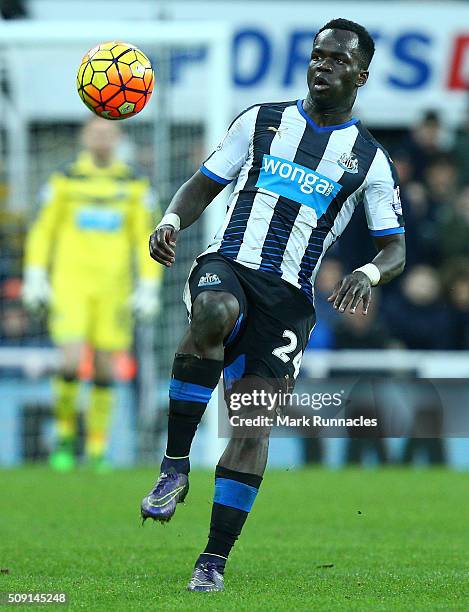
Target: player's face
<point>100,137</point>
<point>335,71</point>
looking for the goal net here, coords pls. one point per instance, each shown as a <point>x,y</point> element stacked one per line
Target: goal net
<point>39,126</point>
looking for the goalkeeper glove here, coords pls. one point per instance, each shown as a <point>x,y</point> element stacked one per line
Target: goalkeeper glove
<point>36,292</point>
<point>145,300</point>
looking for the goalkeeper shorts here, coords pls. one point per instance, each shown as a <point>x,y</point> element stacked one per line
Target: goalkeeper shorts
<point>103,322</point>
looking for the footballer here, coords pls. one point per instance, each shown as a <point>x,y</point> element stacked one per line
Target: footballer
<point>79,259</point>
<point>299,170</point>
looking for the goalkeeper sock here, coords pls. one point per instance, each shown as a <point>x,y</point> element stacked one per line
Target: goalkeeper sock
<point>98,419</point>
<point>66,393</point>
<point>235,493</point>
<point>192,383</point>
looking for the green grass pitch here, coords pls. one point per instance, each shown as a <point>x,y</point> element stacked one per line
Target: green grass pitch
<point>316,540</point>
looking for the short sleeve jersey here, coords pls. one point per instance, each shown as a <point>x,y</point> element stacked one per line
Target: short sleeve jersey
<point>296,186</point>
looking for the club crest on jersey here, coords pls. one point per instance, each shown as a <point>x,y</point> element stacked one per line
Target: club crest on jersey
<point>209,279</point>
<point>348,162</point>
<point>298,183</point>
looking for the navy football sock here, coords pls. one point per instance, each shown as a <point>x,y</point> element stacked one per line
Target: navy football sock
<point>235,493</point>
<point>192,383</point>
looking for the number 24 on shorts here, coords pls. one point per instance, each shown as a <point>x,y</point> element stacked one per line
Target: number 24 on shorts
<point>282,352</point>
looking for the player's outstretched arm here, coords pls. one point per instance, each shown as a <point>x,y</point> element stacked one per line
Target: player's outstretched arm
<point>188,204</point>
<point>356,287</point>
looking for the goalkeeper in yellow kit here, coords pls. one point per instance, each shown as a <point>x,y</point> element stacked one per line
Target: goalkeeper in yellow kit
<point>81,253</point>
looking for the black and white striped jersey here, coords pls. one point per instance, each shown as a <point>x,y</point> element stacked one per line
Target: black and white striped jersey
<point>297,185</point>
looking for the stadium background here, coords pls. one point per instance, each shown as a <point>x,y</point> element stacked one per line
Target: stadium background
<point>415,103</point>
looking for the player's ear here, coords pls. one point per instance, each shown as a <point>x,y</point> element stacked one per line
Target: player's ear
<point>362,78</point>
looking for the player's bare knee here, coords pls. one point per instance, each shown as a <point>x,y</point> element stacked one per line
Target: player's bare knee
<point>255,444</point>
<point>103,368</point>
<point>103,378</point>
<point>71,356</point>
<point>69,371</point>
<point>213,317</point>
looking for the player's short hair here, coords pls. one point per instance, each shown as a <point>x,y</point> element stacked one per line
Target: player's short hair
<point>366,44</point>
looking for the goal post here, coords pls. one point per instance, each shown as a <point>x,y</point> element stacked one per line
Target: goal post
<point>186,118</point>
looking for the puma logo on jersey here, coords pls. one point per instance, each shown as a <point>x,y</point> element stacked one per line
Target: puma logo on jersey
<point>277,130</point>
<point>209,279</point>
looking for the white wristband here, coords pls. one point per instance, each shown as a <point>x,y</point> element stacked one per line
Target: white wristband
<point>371,271</point>
<point>170,219</point>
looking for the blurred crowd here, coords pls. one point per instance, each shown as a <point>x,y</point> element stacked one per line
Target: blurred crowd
<point>426,308</point>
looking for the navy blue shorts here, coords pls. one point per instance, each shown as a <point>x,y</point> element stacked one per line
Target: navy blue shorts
<point>274,324</point>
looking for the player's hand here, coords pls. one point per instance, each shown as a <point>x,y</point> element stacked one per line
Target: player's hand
<point>36,291</point>
<point>350,291</point>
<point>163,245</point>
<point>145,300</point>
